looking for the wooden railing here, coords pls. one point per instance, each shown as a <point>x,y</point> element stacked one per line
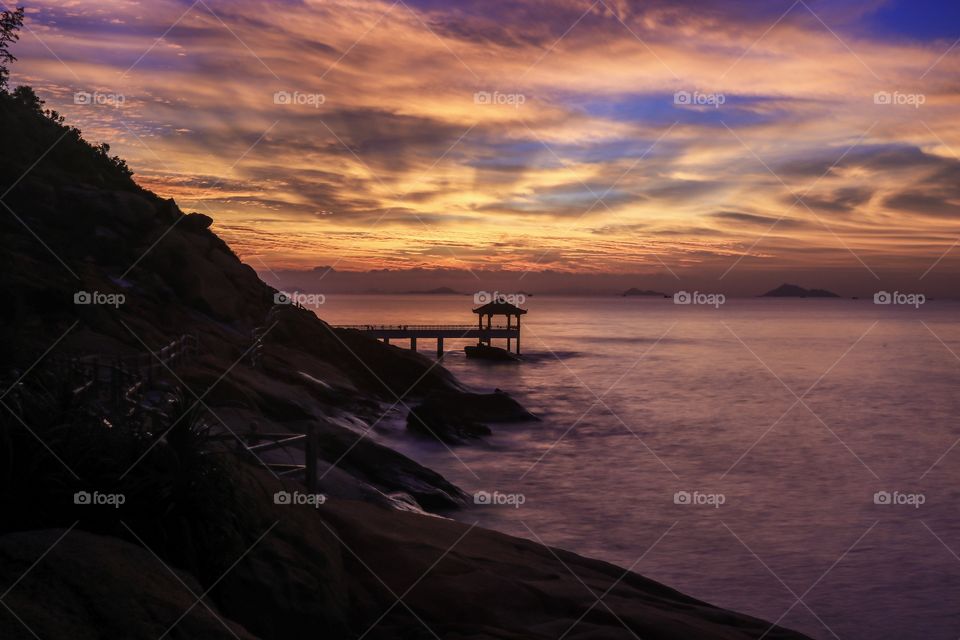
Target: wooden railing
<point>120,378</point>
<point>259,443</point>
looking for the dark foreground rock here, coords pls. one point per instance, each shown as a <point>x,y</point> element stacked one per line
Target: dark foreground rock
<point>90,586</point>
<point>455,417</point>
<point>338,570</point>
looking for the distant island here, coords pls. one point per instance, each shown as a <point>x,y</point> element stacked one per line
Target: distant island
<point>444,291</point>
<point>633,291</point>
<point>794,291</point>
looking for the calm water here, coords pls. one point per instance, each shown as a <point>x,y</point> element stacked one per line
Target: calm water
<point>684,405</point>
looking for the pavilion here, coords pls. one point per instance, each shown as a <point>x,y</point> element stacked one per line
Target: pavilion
<point>499,308</point>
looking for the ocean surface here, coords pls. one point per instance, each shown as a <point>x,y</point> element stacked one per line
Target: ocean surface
<point>733,453</point>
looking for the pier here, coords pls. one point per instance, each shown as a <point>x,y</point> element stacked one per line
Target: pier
<point>484,333</point>
<point>438,332</point>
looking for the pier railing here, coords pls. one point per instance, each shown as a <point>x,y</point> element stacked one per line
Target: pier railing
<point>421,327</point>
<point>438,332</point>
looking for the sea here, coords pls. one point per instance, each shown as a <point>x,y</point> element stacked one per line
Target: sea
<point>792,459</point>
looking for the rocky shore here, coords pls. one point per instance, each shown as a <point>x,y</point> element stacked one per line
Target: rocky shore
<point>201,548</point>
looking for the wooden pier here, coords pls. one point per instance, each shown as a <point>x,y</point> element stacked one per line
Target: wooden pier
<point>438,332</point>
<point>484,333</point>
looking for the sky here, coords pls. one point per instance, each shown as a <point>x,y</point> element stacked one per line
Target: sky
<point>728,145</point>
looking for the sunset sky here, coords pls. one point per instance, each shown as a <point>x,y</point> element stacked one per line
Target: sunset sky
<point>699,141</point>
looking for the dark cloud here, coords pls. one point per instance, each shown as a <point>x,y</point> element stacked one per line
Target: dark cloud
<point>842,200</point>
<point>936,193</point>
<point>756,220</point>
<point>943,204</point>
<point>877,157</point>
<point>682,190</point>
<point>619,229</point>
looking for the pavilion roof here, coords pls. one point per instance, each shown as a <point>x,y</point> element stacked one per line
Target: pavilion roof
<point>499,308</point>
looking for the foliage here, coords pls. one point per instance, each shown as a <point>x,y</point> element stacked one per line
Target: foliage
<point>31,129</point>
<point>176,488</point>
<point>10,24</point>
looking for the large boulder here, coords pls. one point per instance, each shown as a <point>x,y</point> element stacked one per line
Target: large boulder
<point>90,586</point>
<point>455,416</point>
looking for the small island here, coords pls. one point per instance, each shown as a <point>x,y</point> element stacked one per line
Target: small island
<point>633,291</point>
<point>794,291</point>
<point>439,291</point>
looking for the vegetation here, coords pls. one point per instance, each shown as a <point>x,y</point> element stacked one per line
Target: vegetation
<point>30,130</point>
<point>56,443</point>
<point>10,24</point>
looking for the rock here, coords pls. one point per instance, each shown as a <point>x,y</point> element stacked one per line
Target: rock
<point>196,222</point>
<point>452,429</point>
<point>488,585</point>
<point>456,416</point>
<point>91,586</point>
<point>489,353</point>
<point>387,470</point>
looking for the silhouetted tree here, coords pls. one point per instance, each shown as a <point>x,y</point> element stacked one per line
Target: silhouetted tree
<point>28,97</point>
<point>10,23</point>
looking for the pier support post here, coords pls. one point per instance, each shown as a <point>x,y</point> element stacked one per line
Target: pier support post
<point>386,341</point>
<point>413,344</point>
<point>439,347</point>
<point>508,329</point>
<point>518,335</point>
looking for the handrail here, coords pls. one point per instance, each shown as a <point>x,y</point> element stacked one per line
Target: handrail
<point>128,372</point>
<point>415,327</point>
